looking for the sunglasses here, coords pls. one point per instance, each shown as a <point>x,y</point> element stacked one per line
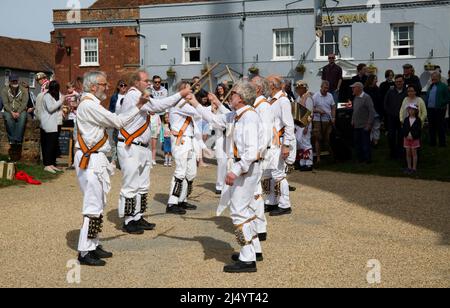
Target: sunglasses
<point>123,85</point>
<point>157,82</point>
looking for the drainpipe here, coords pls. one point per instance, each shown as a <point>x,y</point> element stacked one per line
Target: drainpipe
<point>242,26</point>
<point>142,60</point>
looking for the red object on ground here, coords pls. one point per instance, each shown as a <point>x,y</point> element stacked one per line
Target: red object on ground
<point>22,176</point>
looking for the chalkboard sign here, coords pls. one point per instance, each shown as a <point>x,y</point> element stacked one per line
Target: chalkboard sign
<point>66,142</point>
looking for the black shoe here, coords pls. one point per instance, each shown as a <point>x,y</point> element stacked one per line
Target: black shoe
<point>269,208</point>
<point>186,206</point>
<point>262,237</point>
<point>291,188</point>
<point>306,169</point>
<point>90,260</point>
<point>145,225</point>
<point>218,192</point>
<point>133,228</point>
<point>259,257</point>
<point>241,267</point>
<point>100,253</point>
<point>279,212</point>
<point>175,209</point>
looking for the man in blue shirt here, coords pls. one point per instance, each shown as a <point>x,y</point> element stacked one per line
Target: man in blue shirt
<point>437,101</point>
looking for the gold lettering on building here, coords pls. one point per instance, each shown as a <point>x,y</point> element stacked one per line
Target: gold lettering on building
<point>345,19</point>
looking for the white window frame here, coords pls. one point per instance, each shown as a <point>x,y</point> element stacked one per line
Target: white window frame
<point>319,57</point>
<point>283,58</point>
<point>393,47</point>
<point>185,49</point>
<point>32,80</point>
<point>7,74</point>
<point>83,53</point>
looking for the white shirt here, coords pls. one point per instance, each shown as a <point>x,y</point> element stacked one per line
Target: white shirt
<point>119,103</point>
<point>50,114</point>
<point>131,99</point>
<point>324,103</point>
<point>282,113</point>
<point>246,134</point>
<point>264,110</point>
<point>160,94</point>
<point>178,116</point>
<point>93,119</point>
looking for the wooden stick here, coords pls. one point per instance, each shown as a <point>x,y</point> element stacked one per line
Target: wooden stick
<point>201,78</point>
<point>233,80</point>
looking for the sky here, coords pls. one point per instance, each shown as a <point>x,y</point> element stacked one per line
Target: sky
<point>31,19</point>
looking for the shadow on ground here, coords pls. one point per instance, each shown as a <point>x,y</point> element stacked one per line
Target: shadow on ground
<point>389,196</point>
<point>212,248</point>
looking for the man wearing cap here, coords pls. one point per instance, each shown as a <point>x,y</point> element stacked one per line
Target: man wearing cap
<point>303,134</point>
<point>15,101</point>
<point>411,79</point>
<point>362,122</point>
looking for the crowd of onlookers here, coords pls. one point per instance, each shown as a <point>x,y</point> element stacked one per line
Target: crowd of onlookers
<point>400,105</point>
<point>397,107</point>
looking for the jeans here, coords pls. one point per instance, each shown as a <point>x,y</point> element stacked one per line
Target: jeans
<point>436,119</point>
<point>335,94</point>
<point>395,136</point>
<point>15,128</point>
<point>362,144</point>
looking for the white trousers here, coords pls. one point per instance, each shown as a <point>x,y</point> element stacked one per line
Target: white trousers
<point>257,206</point>
<point>185,159</point>
<point>135,162</point>
<point>304,147</point>
<point>95,185</point>
<point>278,177</point>
<point>242,194</point>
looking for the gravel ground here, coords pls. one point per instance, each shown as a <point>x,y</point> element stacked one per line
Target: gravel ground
<point>340,222</point>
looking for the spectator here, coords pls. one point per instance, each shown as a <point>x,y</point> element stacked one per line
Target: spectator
<point>388,84</point>
<point>448,107</point>
<point>166,141</point>
<point>361,74</point>
<point>392,105</point>
<point>287,87</point>
<point>53,101</point>
<point>198,91</point>
<point>411,79</point>
<point>324,117</point>
<point>373,91</point>
<point>155,129</point>
<point>118,96</point>
<point>413,99</point>
<point>79,85</point>
<point>15,100</point>
<point>71,101</point>
<point>31,105</point>
<point>437,101</point>
<point>412,130</point>
<point>158,91</point>
<point>1,104</point>
<point>115,106</point>
<point>221,92</point>
<point>43,81</point>
<point>362,122</point>
<point>333,74</point>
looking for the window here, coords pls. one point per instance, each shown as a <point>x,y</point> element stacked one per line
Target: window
<point>32,80</point>
<point>89,52</point>
<point>329,42</point>
<point>284,44</point>
<point>192,48</point>
<point>7,74</point>
<point>402,40</point>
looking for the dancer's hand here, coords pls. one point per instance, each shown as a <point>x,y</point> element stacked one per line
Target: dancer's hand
<point>285,151</point>
<point>192,100</point>
<point>231,178</point>
<point>186,91</point>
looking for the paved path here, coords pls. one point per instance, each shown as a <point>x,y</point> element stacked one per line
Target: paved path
<point>340,222</point>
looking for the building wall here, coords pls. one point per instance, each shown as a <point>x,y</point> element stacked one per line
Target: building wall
<point>225,40</point>
<point>118,49</point>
